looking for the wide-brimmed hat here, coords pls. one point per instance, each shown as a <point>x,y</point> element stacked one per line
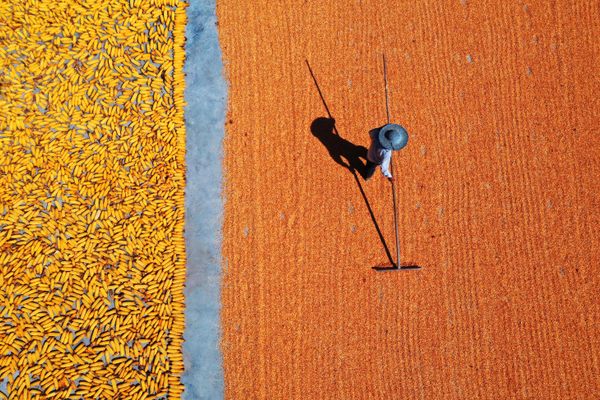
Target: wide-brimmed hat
<point>393,137</point>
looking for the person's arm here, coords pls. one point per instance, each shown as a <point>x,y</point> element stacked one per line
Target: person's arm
<point>385,164</point>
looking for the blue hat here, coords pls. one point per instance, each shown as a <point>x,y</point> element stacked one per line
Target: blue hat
<point>393,137</point>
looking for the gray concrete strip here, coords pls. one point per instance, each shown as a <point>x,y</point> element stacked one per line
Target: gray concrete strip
<point>205,94</point>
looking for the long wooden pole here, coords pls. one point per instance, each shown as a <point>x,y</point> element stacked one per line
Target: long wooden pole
<point>387,109</point>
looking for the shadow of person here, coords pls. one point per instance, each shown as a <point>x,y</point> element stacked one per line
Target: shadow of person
<point>343,152</point>
<point>324,129</point>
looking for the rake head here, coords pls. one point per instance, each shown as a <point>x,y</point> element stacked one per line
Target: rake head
<point>394,267</point>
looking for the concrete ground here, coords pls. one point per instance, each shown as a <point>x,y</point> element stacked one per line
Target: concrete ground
<point>205,113</point>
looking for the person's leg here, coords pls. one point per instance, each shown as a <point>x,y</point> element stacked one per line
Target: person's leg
<point>370,169</point>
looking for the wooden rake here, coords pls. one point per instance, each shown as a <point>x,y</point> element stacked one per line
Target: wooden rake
<point>398,266</point>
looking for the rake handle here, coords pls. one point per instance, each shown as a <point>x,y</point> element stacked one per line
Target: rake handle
<point>387,110</point>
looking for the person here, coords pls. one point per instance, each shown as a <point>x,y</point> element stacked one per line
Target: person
<point>384,140</point>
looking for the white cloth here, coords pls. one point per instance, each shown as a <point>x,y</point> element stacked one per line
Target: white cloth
<point>378,154</point>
